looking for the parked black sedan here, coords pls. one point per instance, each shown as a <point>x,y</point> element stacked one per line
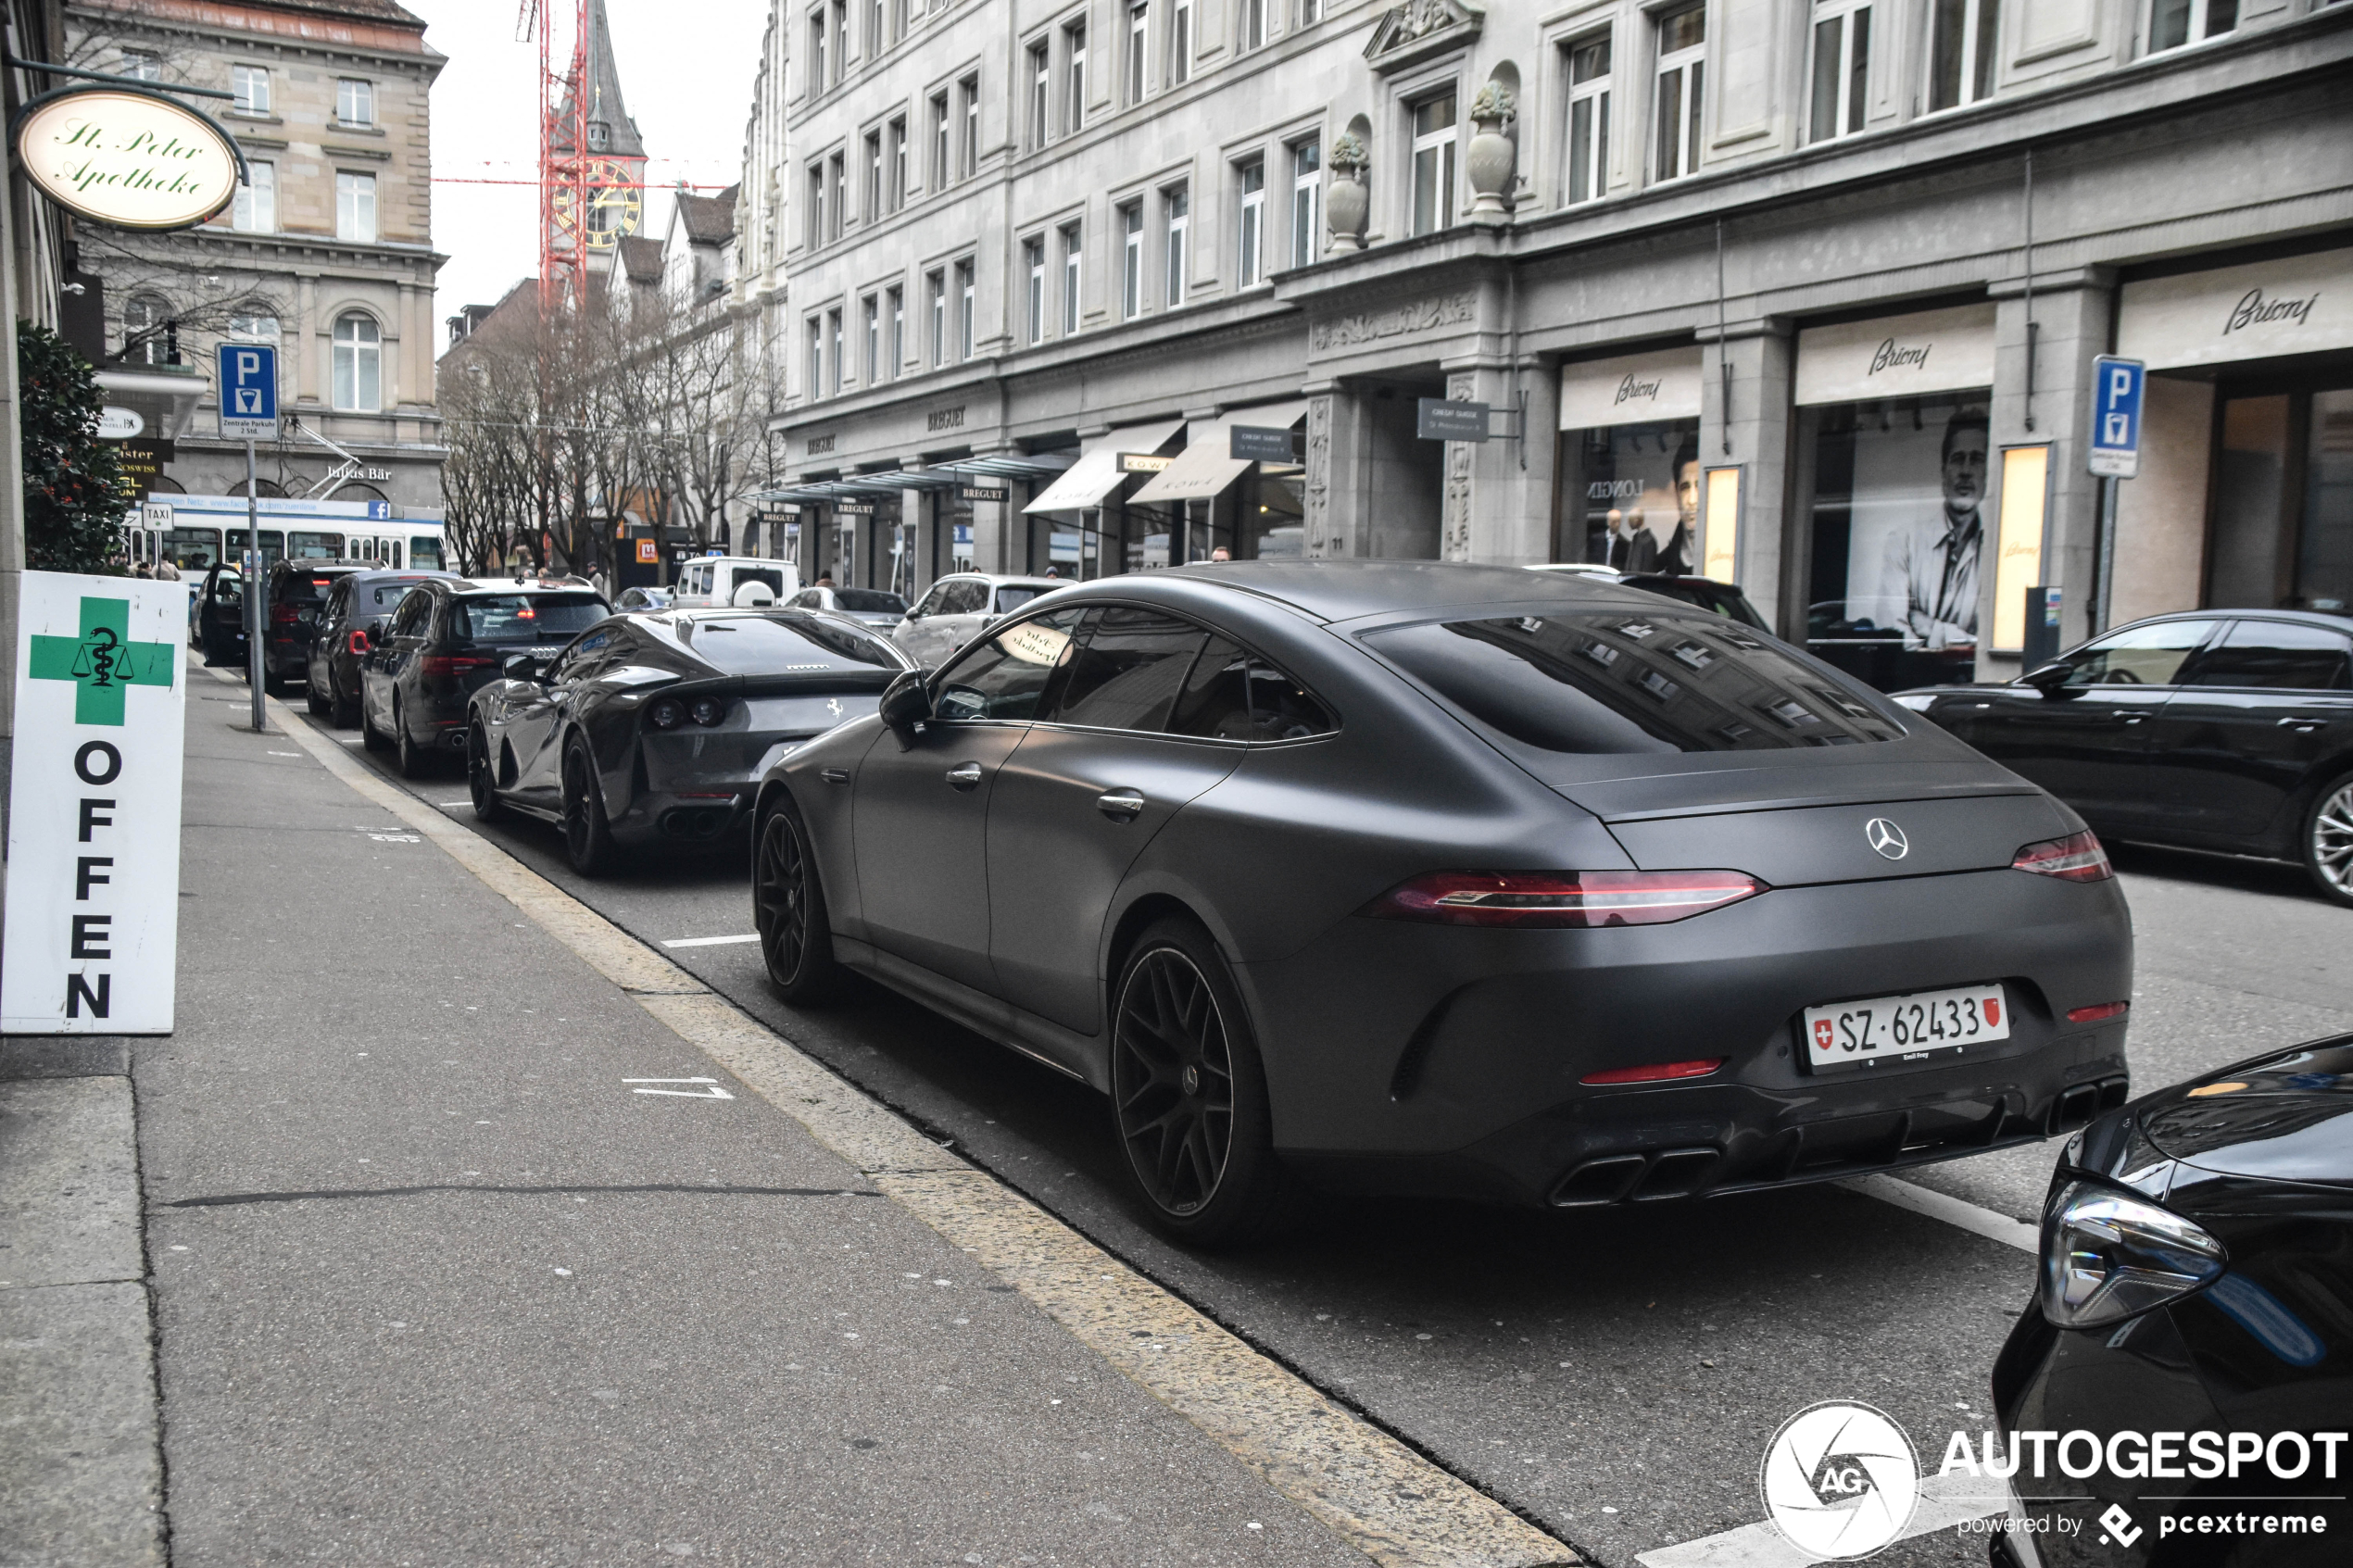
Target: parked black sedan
<point>2214,729</point>
<point>1459,879</point>
<point>2181,1387</point>
<point>655,728</point>
<point>358,606</point>
<point>448,638</point>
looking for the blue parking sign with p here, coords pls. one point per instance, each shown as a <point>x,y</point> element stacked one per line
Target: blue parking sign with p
<point>2116,416</point>
<point>248,386</point>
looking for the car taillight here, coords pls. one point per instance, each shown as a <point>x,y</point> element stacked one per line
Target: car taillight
<point>2076,858</point>
<point>1659,1073</point>
<point>283,615</point>
<point>2097,1013</point>
<point>669,712</point>
<point>2109,1255</point>
<point>1583,899</point>
<point>453,663</point>
<point>359,643</point>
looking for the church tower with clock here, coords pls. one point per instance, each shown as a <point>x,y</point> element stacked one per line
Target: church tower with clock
<point>616,155</point>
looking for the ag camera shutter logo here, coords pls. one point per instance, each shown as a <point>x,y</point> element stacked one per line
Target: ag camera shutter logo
<point>1840,1480</point>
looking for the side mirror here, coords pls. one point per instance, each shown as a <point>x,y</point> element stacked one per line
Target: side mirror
<point>377,627</point>
<point>520,667</point>
<point>906,703</point>
<point>2048,679</point>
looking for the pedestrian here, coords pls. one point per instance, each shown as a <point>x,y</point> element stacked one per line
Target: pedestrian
<point>825,580</point>
<point>1221,553</point>
<point>165,571</point>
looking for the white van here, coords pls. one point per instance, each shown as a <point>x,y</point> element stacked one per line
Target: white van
<point>713,579</point>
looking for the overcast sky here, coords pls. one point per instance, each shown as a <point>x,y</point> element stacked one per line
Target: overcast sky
<point>686,68</point>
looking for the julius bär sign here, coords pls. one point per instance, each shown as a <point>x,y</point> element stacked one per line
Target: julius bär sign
<point>93,807</point>
<point>134,159</point>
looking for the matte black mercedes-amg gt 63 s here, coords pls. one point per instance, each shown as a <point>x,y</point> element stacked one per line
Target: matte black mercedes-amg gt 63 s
<point>653,728</point>
<point>1436,878</point>
<point>2195,1321</point>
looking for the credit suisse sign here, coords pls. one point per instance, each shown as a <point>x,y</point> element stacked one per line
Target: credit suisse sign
<point>127,157</point>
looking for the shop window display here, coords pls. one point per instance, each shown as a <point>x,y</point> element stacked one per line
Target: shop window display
<point>1631,500</point>
<point>1900,515</point>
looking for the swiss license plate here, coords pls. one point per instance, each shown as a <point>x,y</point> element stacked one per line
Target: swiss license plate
<point>1884,1028</point>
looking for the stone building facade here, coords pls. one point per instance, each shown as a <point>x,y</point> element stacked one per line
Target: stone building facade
<point>327,251</point>
<point>1803,294</point>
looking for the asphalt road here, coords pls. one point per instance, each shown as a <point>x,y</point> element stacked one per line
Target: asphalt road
<point>1617,1377</point>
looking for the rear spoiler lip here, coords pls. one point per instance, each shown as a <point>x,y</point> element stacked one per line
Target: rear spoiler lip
<point>1803,802</point>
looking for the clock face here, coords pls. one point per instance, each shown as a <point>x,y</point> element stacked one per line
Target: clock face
<point>614,202</point>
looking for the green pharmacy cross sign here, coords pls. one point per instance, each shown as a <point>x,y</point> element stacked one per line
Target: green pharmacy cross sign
<point>102,661</point>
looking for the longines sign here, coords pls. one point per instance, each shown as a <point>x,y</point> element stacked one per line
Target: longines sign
<point>131,158</point>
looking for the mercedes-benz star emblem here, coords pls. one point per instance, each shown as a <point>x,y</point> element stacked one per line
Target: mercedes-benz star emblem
<point>1887,838</point>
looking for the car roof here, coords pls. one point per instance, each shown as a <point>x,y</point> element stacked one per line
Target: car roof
<point>2335,621</point>
<point>473,586</point>
<point>1344,590</point>
<point>996,580</point>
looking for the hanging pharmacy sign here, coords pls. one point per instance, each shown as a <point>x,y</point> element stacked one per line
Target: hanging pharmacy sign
<point>93,807</point>
<point>130,159</point>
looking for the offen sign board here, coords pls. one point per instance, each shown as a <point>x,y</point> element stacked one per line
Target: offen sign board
<point>127,157</point>
<point>93,807</point>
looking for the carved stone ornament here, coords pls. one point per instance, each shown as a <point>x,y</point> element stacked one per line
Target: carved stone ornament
<point>1419,29</point>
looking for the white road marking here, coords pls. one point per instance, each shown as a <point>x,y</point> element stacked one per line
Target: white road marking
<point>710,941</point>
<point>1952,1211</point>
<point>348,740</point>
<point>1945,1502</point>
<point>285,754</point>
<point>446,804</point>
<point>710,1091</point>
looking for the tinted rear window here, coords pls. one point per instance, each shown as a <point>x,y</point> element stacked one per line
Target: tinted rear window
<point>1011,597</point>
<point>870,601</point>
<point>1613,682</point>
<point>758,644</point>
<point>524,618</point>
<point>771,575</point>
<point>380,598</point>
<point>304,588</point>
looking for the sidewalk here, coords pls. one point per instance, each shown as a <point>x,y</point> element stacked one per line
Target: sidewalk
<point>461,1252</point>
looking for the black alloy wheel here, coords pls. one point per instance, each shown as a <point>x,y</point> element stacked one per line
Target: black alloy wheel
<point>1188,1094</point>
<point>369,735</point>
<point>344,712</point>
<point>415,760</point>
<point>2328,840</point>
<point>482,781</point>
<point>587,834</point>
<point>788,909</point>
<point>316,704</point>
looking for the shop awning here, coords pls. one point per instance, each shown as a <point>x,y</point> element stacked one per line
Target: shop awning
<point>1096,473</point>
<point>1206,466</point>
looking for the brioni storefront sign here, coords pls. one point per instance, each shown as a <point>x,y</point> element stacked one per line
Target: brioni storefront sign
<point>2295,305</point>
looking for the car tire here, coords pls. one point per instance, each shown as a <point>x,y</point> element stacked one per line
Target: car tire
<point>788,909</point>
<point>415,760</point>
<point>318,705</point>
<point>587,833</point>
<point>1188,1094</point>
<point>482,777</point>
<point>2327,843</point>
<point>342,712</point>
<point>368,736</point>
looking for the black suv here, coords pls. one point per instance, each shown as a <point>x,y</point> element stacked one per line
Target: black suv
<point>297,590</point>
<point>449,638</point>
<point>358,608</point>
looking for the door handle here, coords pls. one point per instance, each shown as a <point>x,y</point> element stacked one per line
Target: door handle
<point>835,775</point>
<point>1120,805</point>
<point>964,775</point>
<point>2135,715</point>
<point>2302,726</point>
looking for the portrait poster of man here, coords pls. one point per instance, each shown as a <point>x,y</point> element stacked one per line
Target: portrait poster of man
<point>1637,487</point>
<point>1917,523</point>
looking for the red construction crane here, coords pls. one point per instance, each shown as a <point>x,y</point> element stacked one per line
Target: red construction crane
<point>563,148</point>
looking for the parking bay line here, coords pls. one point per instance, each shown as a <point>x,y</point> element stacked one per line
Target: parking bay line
<point>1370,1489</point>
<point>710,941</point>
<point>1952,1211</point>
<point>1945,1502</point>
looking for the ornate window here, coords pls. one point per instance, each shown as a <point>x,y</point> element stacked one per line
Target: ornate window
<point>358,363</point>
